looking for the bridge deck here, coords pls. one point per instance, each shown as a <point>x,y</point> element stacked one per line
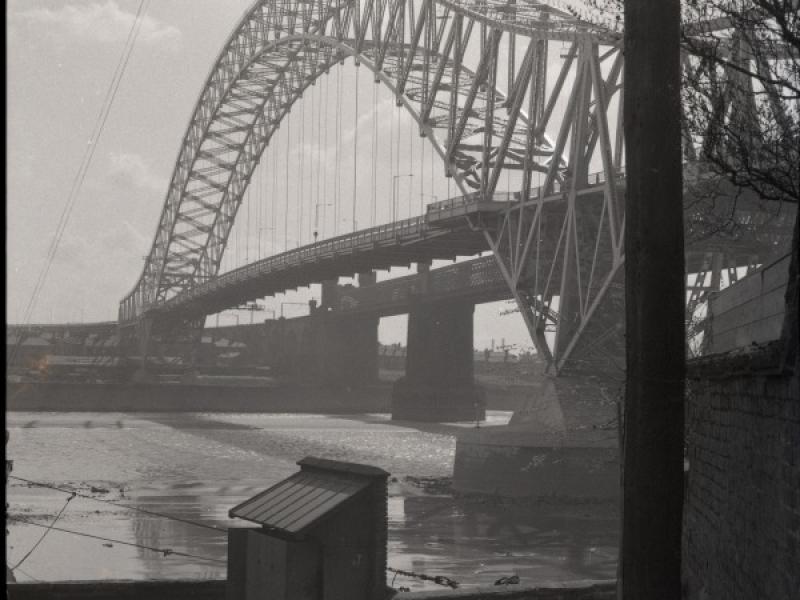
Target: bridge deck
<point>442,234</point>
<point>446,231</point>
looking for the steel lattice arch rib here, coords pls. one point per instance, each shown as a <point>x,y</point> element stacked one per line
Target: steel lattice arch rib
<point>276,52</point>
<point>494,87</point>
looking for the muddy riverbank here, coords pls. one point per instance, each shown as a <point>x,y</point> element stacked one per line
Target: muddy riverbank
<point>195,466</point>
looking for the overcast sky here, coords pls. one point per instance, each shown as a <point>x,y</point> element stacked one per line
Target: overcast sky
<point>61,56</point>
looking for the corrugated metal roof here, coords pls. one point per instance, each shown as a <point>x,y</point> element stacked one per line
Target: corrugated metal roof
<point>300,501</point>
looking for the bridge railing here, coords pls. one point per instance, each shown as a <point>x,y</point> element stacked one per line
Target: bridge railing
<point>307,254</point>
<point>475,198</point>
<point>134,305</point>
<point>469,200</point>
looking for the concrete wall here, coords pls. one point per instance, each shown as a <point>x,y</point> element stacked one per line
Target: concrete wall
<point>215,590</point>
<point>742,507</point>
<point>118,590</point>
<point>145,397</point>
<point>749,311</point>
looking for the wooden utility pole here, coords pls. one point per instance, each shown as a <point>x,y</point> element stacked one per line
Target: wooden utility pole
<point>654,311</point>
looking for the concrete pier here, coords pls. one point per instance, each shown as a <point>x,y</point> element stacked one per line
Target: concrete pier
<point>439,384</point>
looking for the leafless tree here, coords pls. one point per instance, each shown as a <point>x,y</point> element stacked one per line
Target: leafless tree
<point>741,117</point>
<point>740,91</point>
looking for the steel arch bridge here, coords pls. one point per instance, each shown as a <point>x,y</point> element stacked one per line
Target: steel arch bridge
<point>494,86</point>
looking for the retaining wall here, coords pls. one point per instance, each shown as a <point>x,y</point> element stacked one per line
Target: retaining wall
<point>215,590</point>
<point>145,397</point>
<point>742,503</point>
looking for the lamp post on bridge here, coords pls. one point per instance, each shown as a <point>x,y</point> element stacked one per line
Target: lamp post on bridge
<point>422,201</point>
<point>316,220</point>
<point>260,229</point>
<point>395,193</point>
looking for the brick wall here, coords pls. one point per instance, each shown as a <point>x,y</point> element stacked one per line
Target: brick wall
<point>742,508</point>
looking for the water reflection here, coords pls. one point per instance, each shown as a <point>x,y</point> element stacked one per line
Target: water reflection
<point>478,542</point>
<point>197,466</point>
<point>155,532</point>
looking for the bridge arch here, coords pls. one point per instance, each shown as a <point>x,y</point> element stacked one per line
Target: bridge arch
<point>279,49</point>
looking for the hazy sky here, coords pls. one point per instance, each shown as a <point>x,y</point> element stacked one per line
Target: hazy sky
<point>61,56</point>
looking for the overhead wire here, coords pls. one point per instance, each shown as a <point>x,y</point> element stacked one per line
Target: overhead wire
<point>257,180</point>
<point>325,166</point>
<point>248,201</point>
<point>164,551</point>
<point>410,165</point>
<point>422,177</point>
<point>314,198</point>
<point>355,151</point>
<point>259,207</point>
<point>286,195</point>
<point>374,152</point>
<point>117,504</point>
<point>273,202</point>
<point>433,158</point>
<point>302,177</point>
<point>318,168</point>
<point>396,199</point>
<point>391,165</point>
<point>28,575</point>
<point>337,171</point>
<point>86,161</point>
<point>44,535</point>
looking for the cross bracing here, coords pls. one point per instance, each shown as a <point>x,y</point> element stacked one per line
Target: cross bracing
<point>280,48</point>
<point>494,87</point>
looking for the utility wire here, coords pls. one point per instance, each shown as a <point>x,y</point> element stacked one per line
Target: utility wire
<point>422,178</point>
<point>318,169</point>
<point>28,575</point>
<point>313,187</point>
<point>438,579</point>
<point>374,152</point>
<point>337,173</point>
<point>164,551</point>
<point>112,503</point>
<point>273,197</point>
<point>286,196</point>
<point>86,161</point>
<point>44,535</point>
<point>88,153</point>
<point>302,177</point>
<point>355,152</point>
<point>325,166</point>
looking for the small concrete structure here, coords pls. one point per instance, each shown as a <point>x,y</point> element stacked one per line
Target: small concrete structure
<point>322,536</point>
<point>750,311</point>
<point>514,461</point>
<point>561,443</point>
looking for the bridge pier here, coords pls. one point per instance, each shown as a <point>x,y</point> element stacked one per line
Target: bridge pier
<point>439,384</point>
<point>325,348</point>
<point>143,374</point>
<point>346,350</point>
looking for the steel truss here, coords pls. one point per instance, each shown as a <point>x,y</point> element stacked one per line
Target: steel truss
<point>485,83</point>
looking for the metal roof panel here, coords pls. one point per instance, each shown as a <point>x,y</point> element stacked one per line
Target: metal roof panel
<point>300,501</point>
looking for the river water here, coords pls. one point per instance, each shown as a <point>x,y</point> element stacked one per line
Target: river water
<point>196,466</point>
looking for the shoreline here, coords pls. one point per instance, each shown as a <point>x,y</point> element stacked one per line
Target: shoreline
<point>239,396</point>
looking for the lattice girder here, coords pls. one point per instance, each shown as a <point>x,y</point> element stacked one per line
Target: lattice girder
<point>279,49</point>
